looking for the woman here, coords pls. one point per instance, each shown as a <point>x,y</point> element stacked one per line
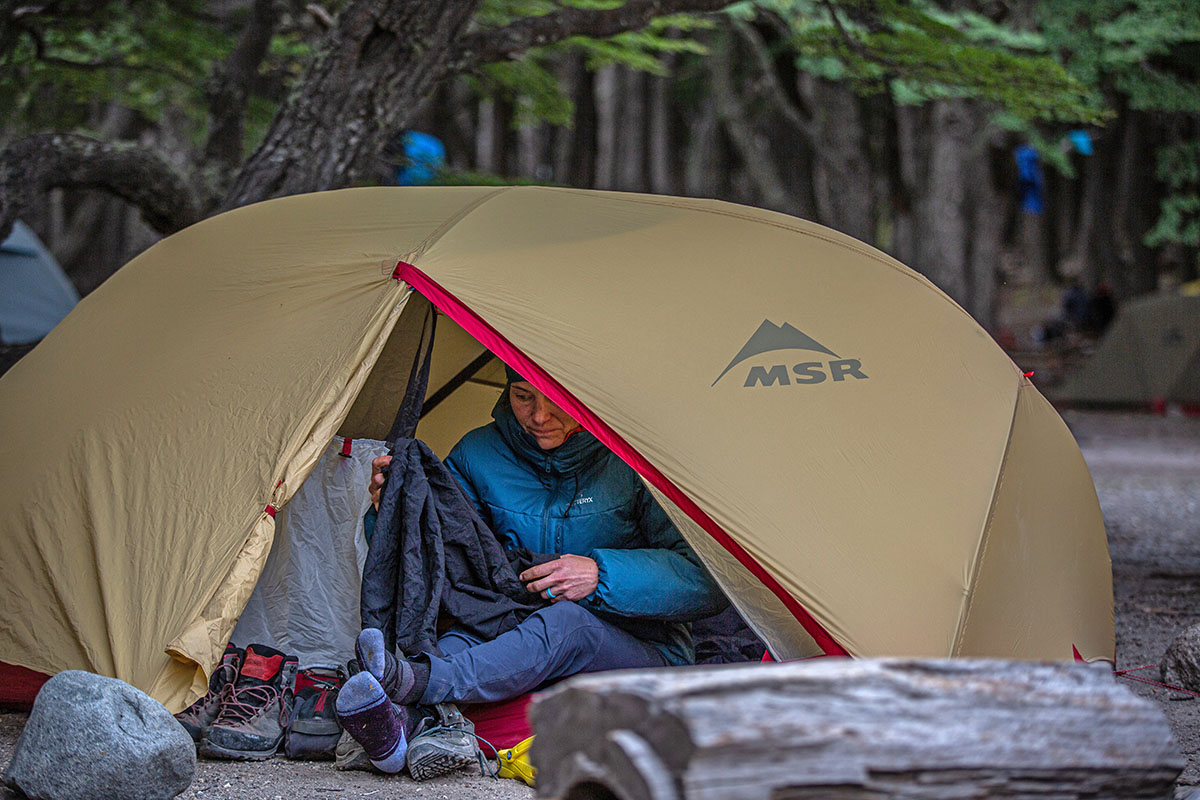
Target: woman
<point>622,589</point>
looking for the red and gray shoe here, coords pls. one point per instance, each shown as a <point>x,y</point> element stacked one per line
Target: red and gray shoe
<point>197,717</point>
<point>256,708</point>
<point>314,730</point>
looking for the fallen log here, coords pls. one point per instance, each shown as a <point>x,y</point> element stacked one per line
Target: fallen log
<point>843,729</point>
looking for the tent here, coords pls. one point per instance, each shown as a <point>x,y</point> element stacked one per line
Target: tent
<point>34,292</point>
<point>1150,354</point>
<point>861,467</point>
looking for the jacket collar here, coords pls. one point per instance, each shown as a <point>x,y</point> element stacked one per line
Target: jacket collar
<point>578,451</point>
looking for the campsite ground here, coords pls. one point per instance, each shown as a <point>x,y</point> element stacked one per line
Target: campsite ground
<point>1147,474</point>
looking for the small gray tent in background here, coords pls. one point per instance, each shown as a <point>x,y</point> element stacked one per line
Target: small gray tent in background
<point>1150,355</point>
<point>34,292</point>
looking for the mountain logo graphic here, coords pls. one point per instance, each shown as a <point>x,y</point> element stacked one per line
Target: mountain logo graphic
<point>771,337</point>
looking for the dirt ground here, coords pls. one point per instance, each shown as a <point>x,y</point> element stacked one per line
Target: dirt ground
<point>1147,474</point>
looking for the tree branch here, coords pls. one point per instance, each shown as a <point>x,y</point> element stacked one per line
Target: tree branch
<point>733,116</point>
<point>511,41</point>
<point>229,88</point>
<point>111,63</point>
<point>33,165</point>
<point>779,99</point>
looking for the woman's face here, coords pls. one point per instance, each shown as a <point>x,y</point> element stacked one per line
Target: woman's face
<point>539,416</point>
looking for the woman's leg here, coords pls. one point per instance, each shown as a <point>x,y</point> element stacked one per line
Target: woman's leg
<point>557,641</point>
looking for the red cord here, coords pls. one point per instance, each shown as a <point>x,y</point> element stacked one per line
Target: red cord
<point>1124,673</point>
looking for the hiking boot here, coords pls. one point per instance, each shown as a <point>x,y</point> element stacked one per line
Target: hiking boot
<point>445,744</point>
<point>255,709</point>
<point>199,715</point>
<point>314,730</point>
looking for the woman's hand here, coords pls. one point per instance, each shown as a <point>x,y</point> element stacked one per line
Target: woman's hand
<point>567,577</point>
<point>377,478</point>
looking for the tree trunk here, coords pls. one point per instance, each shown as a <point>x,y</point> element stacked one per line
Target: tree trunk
<point>700,167</point>
<point>660,149</point>
<point>763,186</point>
<point>575,153</point>
<point>842,179</point>
<point>494,137</point>
<point>941,147</point>
<point>382,60</point>
<point>631,172</point>
<point>607,82</point>
<point>1136,200</point>
<point>910,159</point>
<point>853,730</point>
<point>986,202</point>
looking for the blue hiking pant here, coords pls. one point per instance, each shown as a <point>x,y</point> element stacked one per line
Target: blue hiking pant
<point>559,640</point>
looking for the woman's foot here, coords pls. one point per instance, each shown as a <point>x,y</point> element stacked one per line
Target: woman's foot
<point>400,681</point>
<point>367,713</point>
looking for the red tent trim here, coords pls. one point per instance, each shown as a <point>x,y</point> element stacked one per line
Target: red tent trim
<point>486,335</point>
<point>18,686</point>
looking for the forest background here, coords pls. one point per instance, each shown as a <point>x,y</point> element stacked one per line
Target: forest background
<point>1003,148</point>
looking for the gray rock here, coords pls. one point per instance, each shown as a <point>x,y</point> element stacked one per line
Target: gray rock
<point>89,737</point>
<point>1181,663</point>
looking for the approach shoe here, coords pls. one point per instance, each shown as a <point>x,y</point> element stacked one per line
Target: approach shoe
<point>374,721</point>
<point>349,754</point>
<point>256,708</point>
<point>314,730</point>
<point>444,744</point>
<point>199,715</point>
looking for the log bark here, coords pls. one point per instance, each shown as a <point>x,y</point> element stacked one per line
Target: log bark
<point>839,728</point>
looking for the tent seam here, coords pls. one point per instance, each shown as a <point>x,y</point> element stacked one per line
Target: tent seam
<point>433,238</point>
<point>986,538</point>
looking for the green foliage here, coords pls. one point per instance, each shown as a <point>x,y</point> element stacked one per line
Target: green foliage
<point>1145,49</point>
<point>529,82</point>
<point>920,52</point>
<point>144,54</point>
<point>1179,164</point>
<point>1145,54</point>
<point>1178,221</point>
<point>1178,168</point>
<point>531,87</point>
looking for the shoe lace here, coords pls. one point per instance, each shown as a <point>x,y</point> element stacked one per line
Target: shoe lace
<point>485,764</point>
<point>244,704</point>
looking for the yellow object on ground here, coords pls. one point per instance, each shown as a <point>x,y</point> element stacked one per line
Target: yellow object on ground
<point>514,762</point>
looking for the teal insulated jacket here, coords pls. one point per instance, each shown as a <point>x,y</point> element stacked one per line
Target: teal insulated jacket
<point>580,498</point>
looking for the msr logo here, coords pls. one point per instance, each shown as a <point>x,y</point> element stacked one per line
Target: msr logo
<point>771,337</point>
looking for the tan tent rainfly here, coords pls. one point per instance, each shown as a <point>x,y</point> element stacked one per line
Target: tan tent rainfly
<point>1150,353</point>
<point>858,463</point>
